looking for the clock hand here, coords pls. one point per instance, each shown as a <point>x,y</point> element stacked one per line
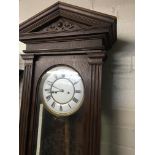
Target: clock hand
<point>58,88</point>
<point>57,91</point>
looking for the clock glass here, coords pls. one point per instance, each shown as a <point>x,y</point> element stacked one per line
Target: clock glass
<point>62,90</point>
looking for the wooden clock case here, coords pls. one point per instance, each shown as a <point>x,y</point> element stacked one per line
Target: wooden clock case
<point>73,36</point>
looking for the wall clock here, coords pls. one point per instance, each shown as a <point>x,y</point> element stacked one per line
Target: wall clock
<point>66,47</point>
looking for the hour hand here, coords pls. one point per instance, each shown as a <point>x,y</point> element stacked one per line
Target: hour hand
<point>57,91</point>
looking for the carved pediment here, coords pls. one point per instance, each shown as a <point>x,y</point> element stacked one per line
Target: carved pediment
<point>61,21</point>
<point>61,25</point>
<point>69,15</point>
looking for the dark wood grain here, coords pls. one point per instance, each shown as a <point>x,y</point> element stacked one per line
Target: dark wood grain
<point>90,22</point>
<point>80,15</point>
<point>25,105</point>
<point>82,47</point>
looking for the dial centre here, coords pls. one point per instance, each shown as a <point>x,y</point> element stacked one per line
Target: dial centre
<point>62,91</point>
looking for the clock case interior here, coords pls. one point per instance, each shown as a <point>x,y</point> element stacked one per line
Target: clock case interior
<point>77,37</point>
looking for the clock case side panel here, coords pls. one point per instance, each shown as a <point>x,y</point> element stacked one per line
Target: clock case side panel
<point>26,103</point>
<point>95,61</point>
<point>44,62</point>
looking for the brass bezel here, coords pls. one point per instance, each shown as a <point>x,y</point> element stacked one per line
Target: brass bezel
<point>57,114</point>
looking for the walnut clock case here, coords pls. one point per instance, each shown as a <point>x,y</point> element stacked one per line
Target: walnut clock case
<point>61,99</point>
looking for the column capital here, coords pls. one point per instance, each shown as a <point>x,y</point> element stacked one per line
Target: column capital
<point>97,57</point>
<point>28,58</point>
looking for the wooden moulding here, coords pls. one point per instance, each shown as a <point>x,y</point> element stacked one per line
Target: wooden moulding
<point>79,24</point>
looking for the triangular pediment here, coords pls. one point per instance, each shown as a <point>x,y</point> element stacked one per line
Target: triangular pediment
<point>63,21</point>
<point>60,25</point>
<point>65,17</point>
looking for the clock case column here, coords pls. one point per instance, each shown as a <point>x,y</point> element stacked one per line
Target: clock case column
<point>25,103</point>
<point>95,61</point>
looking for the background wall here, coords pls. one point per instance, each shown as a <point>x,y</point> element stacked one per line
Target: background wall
<point>118,93</point>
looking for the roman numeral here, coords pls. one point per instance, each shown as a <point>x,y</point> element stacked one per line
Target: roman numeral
<point>48,97</point>
<point>75,82</point>
<point>56,76</point>
<point>75,100</point>
<point>47,89</point>
<point>63,75</point>
<point>77,91</point>
<point>69,105</point>
<point>53,104</point>
<point>50,83</point>
<point>61,108</point>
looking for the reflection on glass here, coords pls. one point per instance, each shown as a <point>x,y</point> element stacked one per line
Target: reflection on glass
<point>39,129</point>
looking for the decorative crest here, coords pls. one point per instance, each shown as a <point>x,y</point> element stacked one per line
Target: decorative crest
<point>61,25</point>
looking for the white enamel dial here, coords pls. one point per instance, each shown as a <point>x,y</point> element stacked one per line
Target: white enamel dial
<point>63,91</point>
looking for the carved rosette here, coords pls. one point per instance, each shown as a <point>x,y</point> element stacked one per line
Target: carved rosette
<point>95,60</point>
<point>61,25</point>
<point>25,104</point>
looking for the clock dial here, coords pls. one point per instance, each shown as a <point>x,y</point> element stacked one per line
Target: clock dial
<point>63,91</point>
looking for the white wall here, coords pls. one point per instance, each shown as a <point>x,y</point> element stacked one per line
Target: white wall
<point>118,93</point>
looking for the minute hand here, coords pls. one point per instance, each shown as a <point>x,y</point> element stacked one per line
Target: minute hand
<point>58,88</point>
